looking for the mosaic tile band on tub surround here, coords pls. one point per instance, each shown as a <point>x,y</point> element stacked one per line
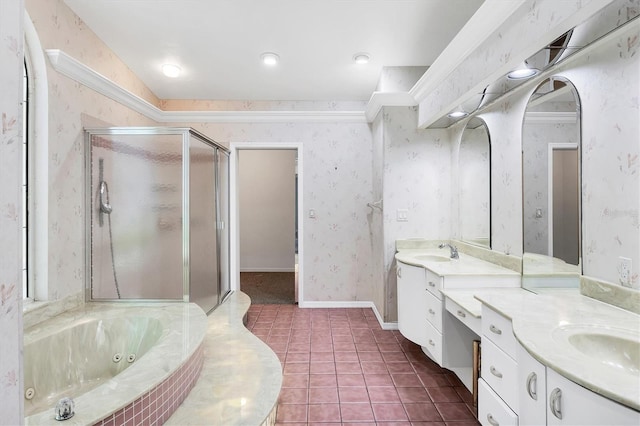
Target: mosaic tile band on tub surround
<point>158,404</point>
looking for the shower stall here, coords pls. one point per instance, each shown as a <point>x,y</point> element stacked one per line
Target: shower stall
<point>157,215</point>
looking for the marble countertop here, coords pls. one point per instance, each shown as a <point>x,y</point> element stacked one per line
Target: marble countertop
<point>542,322</point>
<point>541,265</point>
<point>465,265</point>
<point>241,376</point>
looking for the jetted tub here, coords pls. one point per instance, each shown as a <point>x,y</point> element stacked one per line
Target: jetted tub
<point>119,362</point>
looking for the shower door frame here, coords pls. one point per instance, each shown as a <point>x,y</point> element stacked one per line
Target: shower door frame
<point>186,133</point>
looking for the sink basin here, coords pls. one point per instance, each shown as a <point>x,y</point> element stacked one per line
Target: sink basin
<point>617,348</point>
<point>432,258</point>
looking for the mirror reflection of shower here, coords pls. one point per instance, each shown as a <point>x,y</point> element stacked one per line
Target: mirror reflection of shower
<point>105,208</point>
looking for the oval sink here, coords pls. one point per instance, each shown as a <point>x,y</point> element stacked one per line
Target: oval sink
<point>614,347</point>
<point>432,258</point>
<point>611,350</point>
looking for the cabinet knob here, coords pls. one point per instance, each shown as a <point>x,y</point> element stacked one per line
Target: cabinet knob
<point>495,329</point>
<point>532,385</point>
<point>431,342</point>
<point>432,312</point>
<point>432,284</point>
<point>492,421</point>
<point>461,313</point>
<point>495,372</point>
<point>555,403</point>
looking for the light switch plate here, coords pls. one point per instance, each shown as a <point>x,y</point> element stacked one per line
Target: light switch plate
<point>402,215</point>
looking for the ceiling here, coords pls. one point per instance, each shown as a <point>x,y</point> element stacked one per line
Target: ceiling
<point>218,43</point>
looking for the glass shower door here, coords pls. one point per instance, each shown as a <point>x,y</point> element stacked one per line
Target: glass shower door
<point>203,247</point>
<point>223,215</point>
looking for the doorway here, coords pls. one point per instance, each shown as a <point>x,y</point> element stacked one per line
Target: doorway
<point>266,202</point>
<point>564,202</point>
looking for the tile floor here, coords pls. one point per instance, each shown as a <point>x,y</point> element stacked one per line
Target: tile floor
<point>341,368</point>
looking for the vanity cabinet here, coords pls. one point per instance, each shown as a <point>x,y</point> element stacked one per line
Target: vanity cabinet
<point>423,319</point>
<point>546,397</point>
<point>412,296</point>
<point>497,401</point>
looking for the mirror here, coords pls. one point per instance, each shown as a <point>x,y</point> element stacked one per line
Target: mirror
<point>474,193</point>
<point>551,186</point>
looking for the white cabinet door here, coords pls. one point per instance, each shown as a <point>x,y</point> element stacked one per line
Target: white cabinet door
<point>531,389</point>
<point>412,303</point>
<point>570,404</point>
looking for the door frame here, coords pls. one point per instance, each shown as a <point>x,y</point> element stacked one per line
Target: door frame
<point>235,208</point>
<point>557,146</point>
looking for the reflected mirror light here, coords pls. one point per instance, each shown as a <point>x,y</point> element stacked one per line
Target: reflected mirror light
<point>474,188</point>
<point>551,186</point>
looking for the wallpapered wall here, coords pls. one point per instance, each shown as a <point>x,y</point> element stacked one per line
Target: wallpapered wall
<point>11,53</point>
<point>415,177</point>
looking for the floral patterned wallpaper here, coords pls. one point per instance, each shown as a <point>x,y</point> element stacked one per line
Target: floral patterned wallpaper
<point>11,58</point>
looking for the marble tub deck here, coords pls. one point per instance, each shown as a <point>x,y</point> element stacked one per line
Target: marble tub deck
<point>241,376</point>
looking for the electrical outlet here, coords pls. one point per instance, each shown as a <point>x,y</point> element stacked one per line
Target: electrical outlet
<point>624,271</point>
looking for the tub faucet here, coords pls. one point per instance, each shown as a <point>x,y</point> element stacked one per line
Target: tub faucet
<point>454,250</point>
<point>64,409</point>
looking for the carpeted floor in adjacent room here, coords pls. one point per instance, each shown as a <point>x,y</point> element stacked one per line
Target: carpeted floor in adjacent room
<point>269,287</point>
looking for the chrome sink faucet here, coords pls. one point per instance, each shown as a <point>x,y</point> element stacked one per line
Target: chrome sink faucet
<point>454,250</point>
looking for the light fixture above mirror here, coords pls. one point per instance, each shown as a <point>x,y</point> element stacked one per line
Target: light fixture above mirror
<point>608,19</point>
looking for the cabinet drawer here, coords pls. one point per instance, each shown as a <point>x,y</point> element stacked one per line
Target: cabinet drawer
<point>473,323</point>
<point>434,343</point>
<point>434,284</point>
<point>500,372</point>
<point>498,329</point>
<point>492,411</point>
<point>434,311</point>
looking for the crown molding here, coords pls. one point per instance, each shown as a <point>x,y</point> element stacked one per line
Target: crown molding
<point>77,71</point>
<point>382,99</point>
<point>543,117</point>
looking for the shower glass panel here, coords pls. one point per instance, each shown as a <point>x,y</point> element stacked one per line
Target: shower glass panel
<point>203,248</point>
<point>136,248</point>
<point>157,211</point>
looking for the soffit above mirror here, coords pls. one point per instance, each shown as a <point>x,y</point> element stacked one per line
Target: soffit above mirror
<point>611,17</point>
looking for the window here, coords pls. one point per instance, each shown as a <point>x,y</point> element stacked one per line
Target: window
<point>25,183</point>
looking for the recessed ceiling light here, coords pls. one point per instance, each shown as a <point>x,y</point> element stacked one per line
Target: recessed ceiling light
<point>171,70</point>
<point>457,114</point>
<point>270,58</point>
<point>361,58</point>
<point>522,73</point>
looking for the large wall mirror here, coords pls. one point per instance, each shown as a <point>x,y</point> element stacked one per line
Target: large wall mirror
<point>474,164</point>
<point>551,186</point>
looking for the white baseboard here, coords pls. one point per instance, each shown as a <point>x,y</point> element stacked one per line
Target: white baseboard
<point>268,269</point>
<point>352,304</point>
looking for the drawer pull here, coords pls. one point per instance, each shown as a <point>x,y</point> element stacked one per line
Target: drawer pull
<point>532,386</point>
<point>495,372</point>
<point>461,314</point>
<point>432,312</point>
<point>431,342</point>
<point>492,421</point>
<point>432,284</point>
<point>495,329</point>
<point>399,272</point>
<point>555,403</point>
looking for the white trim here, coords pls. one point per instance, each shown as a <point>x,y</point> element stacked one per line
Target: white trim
<point>235,213</point>
<point>382,99</point>
<point>85,75</point>
<point>262,269</point>
<point>39,145</point>
<point>543,117</point>
<point>550,148</point>
<point>352,304</point>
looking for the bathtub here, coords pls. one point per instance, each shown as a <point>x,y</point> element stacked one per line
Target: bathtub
<point>119,363</point>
